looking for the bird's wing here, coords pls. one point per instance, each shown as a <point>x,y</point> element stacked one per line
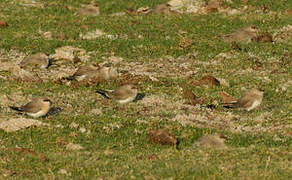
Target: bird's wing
<point>244,101</point>
<point>32,107</point>
<point>120,94</point>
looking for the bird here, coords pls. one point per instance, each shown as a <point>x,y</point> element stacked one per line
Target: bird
<point>36,108</point>
<point>123,94</point>
<point>106,73</point>
<point>94,73</point>
<point>40,60</point>
<point>241,35</point>
<point>83,72</point>
<point>248,101</point>
<point>264,38</point>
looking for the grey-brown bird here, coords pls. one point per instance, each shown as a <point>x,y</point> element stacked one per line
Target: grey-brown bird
<point>40,60</point>
<point>36,108</point>
<point>245,34</point>
<point>123,94</point>
<point>92,72</point>
<point>107,73</point>
<point>83,72</point>
<point>248,101</point>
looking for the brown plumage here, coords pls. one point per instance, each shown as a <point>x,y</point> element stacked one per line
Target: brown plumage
<point>226,98</point>
<point>84,72</point>
<point>249,100</point>
<point>122,94</point>
<point>40,60</point>
<point>264,38</point>
<point>35,108</point>
<point>94,73</point>
<point>245,34</point>
<point>209,81</point>
<point>85,69</point>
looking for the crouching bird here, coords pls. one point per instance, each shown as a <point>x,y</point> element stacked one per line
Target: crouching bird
<point>36,108</point>
<point>248,101</point>
<point>123,94</point>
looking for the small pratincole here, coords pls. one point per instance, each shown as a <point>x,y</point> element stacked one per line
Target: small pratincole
<point>40,60</point>
<point>92,72</point>
<point>35,108</point>
<point>241,35</point>
<point>123,94</point>
<point>249,100</point>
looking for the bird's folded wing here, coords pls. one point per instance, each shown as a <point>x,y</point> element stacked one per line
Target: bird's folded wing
<point>32,107</point>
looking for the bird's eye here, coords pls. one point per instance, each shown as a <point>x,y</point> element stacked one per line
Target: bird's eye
<point>47,100</point>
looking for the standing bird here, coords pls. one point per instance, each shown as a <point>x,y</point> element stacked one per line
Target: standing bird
<point>123,94</point>
<point>35,108</point>
<point>249,100</point>
<point>241,35</point>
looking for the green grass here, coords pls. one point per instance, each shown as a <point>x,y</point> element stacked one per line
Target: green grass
<point>117,146</point>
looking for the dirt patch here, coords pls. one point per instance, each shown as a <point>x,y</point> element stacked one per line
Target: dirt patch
<point>163,67</point>
<point>89,10</point>
<point>17,124</point>
<point>215,141</point>
<point>284,34</point>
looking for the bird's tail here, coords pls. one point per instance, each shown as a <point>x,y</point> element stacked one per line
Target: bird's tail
<point>139,96</point>
<point>69,78</point>
<point>51,60</point>
<point>103,93</point>
<point>18,109</point>
<point>178,144</point>
<point>53,111</point>
<point>230,105</point>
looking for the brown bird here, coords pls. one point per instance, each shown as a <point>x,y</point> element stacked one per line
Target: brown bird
<point>245,34</point>
<point>249,100</point>
<point>123,94</point>
<point>107,73</point>
<point>161,136</point>
<point>264,38</point>
<point>92,72</point>
<point>40,60</point>
<point>83,72</point>
<point>35,108</point>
